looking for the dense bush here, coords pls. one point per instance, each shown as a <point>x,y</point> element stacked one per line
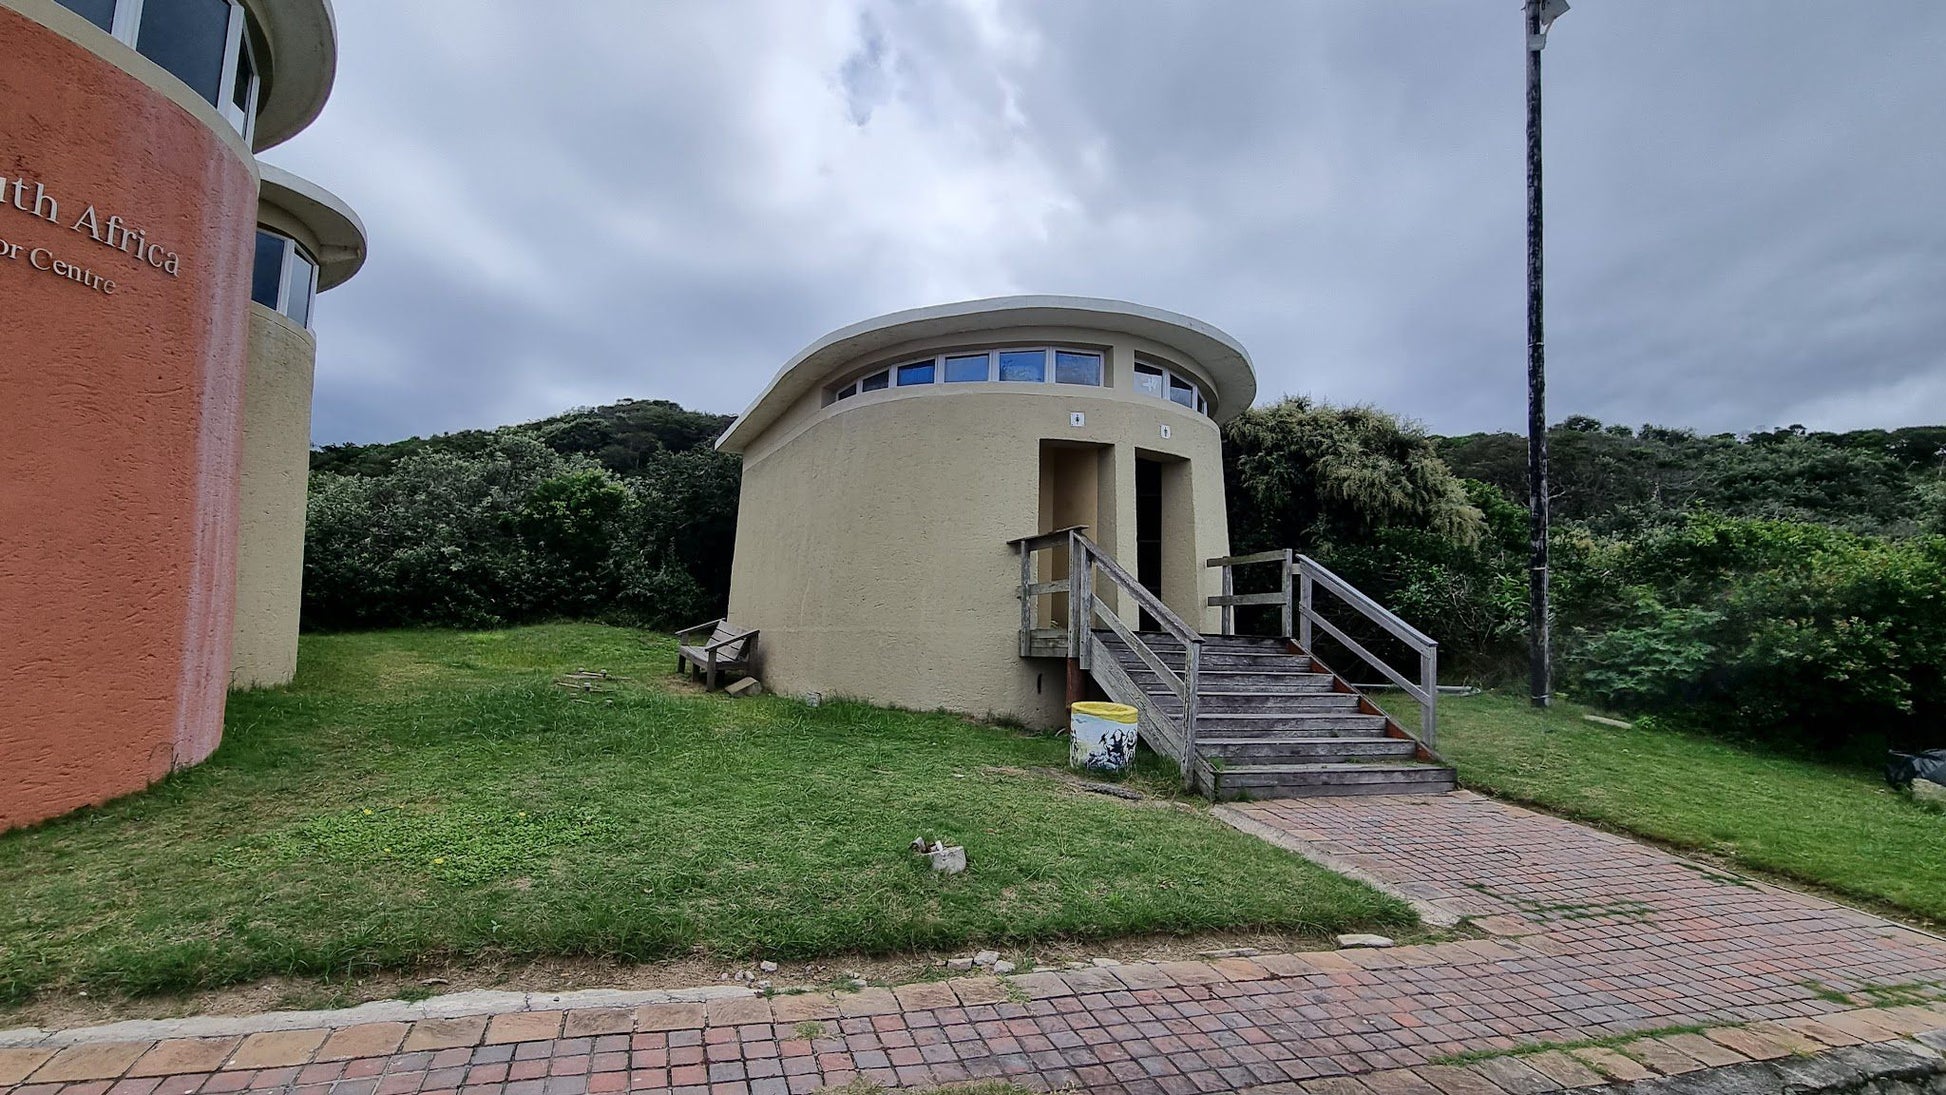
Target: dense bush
<point>1771,628</point>
<point>512,530</point>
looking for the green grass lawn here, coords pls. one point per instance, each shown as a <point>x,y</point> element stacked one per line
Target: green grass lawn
<point>1836,827</point>
<point>419,796</point>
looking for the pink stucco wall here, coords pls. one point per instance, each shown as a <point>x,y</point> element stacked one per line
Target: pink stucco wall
<point>120,429</point>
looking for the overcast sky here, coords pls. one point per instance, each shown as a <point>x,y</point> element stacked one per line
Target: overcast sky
<point>578,202</point>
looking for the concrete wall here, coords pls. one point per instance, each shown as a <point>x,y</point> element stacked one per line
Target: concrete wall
<point>121,414</point>
<point>275,472</point>
<point>871,539</point>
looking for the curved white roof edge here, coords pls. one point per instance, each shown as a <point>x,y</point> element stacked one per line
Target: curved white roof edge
<point>1221,358</point>
<point>303,64</point>
<point>340,234</point>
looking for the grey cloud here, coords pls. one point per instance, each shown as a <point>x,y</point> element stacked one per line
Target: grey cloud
<point>668,200</point>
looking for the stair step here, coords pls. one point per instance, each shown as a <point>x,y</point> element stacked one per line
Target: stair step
<point>1232,681</point>
<point>1226,724</point>
<point>1306,780</point>
<point>1297,749</point>
<point>1262,703</point>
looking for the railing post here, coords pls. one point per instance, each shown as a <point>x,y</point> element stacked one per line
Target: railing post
<point>1074,598</point>
<point>1081,586</point>
<point>1026,602</point>
<point>1192,666</point>
<point>1429,707</point>
<point>1304,608</point>
<point>1229,611</point>
<point>1286,609</point>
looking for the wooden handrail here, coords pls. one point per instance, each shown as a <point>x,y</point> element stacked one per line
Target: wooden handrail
<point>1311,573</point>
<point>1085,559</point>
<point>1230,599</point>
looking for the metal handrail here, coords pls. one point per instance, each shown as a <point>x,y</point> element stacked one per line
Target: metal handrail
<point>1311,573</point>
<point>1085,558</point>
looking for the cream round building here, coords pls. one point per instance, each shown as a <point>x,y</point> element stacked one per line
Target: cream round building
<point>888,465</point>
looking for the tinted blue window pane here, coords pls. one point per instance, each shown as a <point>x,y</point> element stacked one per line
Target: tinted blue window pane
<point>919,372</point>
<point>1023,365</point>
<point>189,38</point>
<point>1148,380</point>
<point>1182,392</point>
<point>304,283</point>
<point>269,272</point>
<point>1073,368</point>
<point>966,369</point>
<point>847,391</point>
<point>877,382</point>
<point>99,12</point>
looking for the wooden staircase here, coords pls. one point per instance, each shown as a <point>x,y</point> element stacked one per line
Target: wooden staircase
<point>1243,717</point>
<point>1273,723</point>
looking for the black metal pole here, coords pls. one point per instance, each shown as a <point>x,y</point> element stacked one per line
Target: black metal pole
<point>1540,669</point>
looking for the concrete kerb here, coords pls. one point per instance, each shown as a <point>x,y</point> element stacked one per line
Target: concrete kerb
<point>1431,912</point>
<point>451,1006</point>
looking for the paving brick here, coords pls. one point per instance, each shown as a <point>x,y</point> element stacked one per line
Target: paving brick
<point>591,1022</point>
<point>430,1034</point>
<point>1749,1043</point>
<point>1455,1080</point>
<point>363,1040</point>
<point>981,990</point>
<point>736,1011</point>
<point>17,1064</point>
<point>277,1049</point>
<point>1710,1053</point>
<point>803,1007</point>
<point>522,1026</point>
<point>873,1001</point>
<point>1562,1068</point>
<point>669,1017</point>
<point>185,1055</point>
<point>925,996</point>
<point>1398,1081</point>
<point>1513,1076</point>
<point>1613,1065</point>
<point>98,1061</point>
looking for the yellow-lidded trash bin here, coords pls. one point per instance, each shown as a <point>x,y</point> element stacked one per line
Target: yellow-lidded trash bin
<point>1101,737</point>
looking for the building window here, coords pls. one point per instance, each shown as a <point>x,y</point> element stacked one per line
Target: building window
<point>1025,366</point>
<point>286,277</point>
<point>99,12</point>
<point>1167,383</point>
<point>203,43</point>
<point>1074,367</point>
<point>1013,365</point>
<point>968,368</point>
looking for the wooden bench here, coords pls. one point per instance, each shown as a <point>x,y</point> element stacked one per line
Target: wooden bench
<point>728,649</point>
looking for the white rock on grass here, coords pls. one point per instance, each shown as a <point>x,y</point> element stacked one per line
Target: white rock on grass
<point>1363,941</point>
<point>1927,793</point>
<point>959,963</point>
<point>767,967</point>
<point>950,859</point>
<point>986,958</point>
<point>1003,966</point>
<point>1105,962</point>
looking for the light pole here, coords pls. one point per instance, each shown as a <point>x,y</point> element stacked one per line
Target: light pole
<point>1540,15</point>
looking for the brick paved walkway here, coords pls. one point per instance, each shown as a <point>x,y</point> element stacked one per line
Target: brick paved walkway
<point>1594,935</point>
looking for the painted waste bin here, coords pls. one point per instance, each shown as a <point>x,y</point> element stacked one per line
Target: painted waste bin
<point>1101,736</point>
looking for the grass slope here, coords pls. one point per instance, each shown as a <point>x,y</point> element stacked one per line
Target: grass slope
<point>1836,827</point>
<point>433,794</point>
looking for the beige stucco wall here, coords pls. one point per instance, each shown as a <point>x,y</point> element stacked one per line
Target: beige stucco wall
<point>275,472</point>
<point>872,534</point>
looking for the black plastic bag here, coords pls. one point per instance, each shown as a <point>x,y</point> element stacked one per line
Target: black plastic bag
<point>1903,768</point>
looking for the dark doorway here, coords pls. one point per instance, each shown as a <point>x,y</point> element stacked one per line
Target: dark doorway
<point>1148,533</point>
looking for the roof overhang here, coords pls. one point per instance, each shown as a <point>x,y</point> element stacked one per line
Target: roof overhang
<point>1221,359</point>
<point>339,233</point>
<point>302,36</point>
